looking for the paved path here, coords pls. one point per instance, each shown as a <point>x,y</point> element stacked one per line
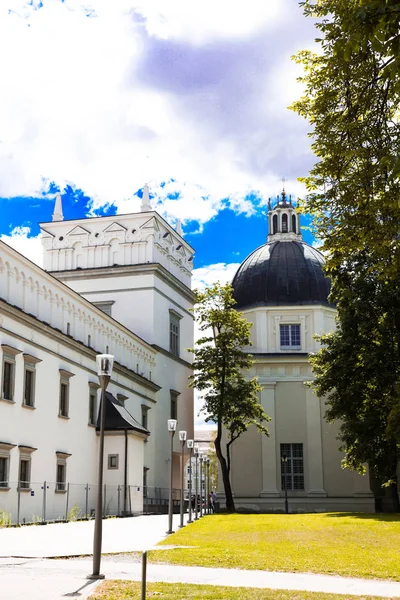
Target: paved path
<point>44,579</point>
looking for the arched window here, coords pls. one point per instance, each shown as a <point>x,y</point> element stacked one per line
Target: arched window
<point>284,223</point>
<point>275,224</point>
<point>294,223</point>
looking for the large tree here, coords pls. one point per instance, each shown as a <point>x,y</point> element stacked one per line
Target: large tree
<point>230,399</point>
<point>351,99</point>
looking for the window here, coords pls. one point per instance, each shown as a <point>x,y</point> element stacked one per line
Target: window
<point>174,319</point>
<point>290,337</point>
<point>145,469</point>
<point>7,387</point>
<point>24,472</point>
<point>292,470</point>
<point>93,387</point>
<point>174,405</point>
<point>122,398</point>
<point>113,460</point>
<point>5,463</point>
<point>275,224</point>
<point>61,471</point>
<point>294,223</point>
<point>29,380</point>
<point>284,223</point>
<point>145,420</point>
<point>63,410</point>
<point>105,307</point>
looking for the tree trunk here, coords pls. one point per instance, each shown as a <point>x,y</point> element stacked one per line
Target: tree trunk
<point>394,496</point>
<point>230,505</point>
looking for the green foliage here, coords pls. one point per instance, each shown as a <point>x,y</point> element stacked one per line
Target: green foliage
<point>351,100</point>
<point>74,513</point>
<point>5,519</point>
<point>230,400</point>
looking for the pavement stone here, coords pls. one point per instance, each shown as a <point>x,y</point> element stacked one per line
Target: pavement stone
<point>39,578</point>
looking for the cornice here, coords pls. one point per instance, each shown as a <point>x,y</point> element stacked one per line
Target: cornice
<point>173,356</point>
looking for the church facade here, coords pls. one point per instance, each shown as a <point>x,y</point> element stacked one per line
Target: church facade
<point>118,285</point>
<point>282,290</point>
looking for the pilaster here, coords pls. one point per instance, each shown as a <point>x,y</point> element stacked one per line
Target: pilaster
<point>268,444</point>
<point>314,445</point>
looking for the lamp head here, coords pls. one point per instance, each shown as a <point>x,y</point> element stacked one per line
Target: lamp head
<point>104,364</point>
<point>196,448</point>
<point>201,456</point>
<point>172,425</point>
<point>284,458</point>
<point>182,436</point>
<point>189,444</point>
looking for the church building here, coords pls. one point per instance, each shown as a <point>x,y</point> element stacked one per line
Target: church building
<point>282,290</point>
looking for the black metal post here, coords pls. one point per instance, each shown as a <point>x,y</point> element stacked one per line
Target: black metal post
<point>190,486</point>
<point>196,488</point>
<point>182,474</point>
<point>284,461</point>
<point>170,505</point>
<point>201,486</point>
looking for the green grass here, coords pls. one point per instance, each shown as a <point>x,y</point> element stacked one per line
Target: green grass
<point>352,545</point>
<point>122,590</point>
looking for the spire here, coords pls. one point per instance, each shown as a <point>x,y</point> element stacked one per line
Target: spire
<point>283,191</point>
<point>58,213</point>
<point>145,206</point>
<point>178,227</point>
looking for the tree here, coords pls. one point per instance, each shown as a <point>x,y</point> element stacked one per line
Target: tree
<point>357,371</point>
<point>230,400</point>
<point>351,99</point>
<point>213,467</point>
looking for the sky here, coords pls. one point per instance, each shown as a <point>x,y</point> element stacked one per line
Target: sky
<point>98,98</point>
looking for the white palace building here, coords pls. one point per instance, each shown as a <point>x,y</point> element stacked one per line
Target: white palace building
<point>119,285</point>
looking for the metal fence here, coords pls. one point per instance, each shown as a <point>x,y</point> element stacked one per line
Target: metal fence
<point>49,502</point>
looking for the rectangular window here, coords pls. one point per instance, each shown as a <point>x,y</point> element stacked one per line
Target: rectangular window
<point>93,403</point>
<point>145,420</point>
<point>113,460</point>
<point>61,476</point>
<point>24,472</point>
<point>292,467</point>
<point>63,399</point>
<point>4,471</point>
<point>174,334</point>
<point>145,469</point>
<point>8,380</point>
<point>290,337</point>
<point>29,387</point>
<point>105,307</point>
<point>174,406</point>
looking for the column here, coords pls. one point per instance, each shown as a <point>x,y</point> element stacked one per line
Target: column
<point>314,445</point>
<point>268,444</point>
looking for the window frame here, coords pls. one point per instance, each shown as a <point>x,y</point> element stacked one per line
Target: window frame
<point>145,416</point>
<point>30,363</point>
<point>93,410</point>
<point>105,306</point>
<point>61,463</point>
<point>25,456</point>
<point>292,475</point>
<point>9,354</point>
<point>294,331</point>
<point>65,377</point>
<point>174,332</point>
<point>173,406</point>
<point>6,456</point>
<point>110,459</point>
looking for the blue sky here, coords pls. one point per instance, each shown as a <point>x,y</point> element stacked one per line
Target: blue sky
<point>99,98</point>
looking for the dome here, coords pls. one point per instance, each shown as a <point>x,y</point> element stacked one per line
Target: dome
<point>281,273</point>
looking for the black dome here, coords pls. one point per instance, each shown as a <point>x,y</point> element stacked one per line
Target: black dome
<point>281,273</point>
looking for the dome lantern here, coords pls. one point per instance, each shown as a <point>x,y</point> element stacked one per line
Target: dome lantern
<point>283,220</point>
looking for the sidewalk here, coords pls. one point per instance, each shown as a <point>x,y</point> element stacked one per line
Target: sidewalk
<point>39,579</point>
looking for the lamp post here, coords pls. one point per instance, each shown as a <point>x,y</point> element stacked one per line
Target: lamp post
<point>171,429</point>
<point>207,484</point>
<point>284,460</point>
<point>182,439</point>
<point>189,444</point>
<point>201,484</point>
<point>104,370</point>
<point>196,453</point>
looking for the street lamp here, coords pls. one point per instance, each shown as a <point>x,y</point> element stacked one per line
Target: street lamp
<point>284,460</point>
<point>201,484</point>
<point>189,444</point>
<point>171,429</point>
<point>207,480</point>
<point>104,370</point>
<point>182,439</point>
<point>196,454</point>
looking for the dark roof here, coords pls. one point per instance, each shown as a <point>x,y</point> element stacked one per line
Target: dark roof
<point>118,418</point>
<point>281,273</point>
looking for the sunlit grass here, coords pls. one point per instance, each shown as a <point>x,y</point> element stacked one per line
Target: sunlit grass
<point>122,590</point>
<point>357,545</point>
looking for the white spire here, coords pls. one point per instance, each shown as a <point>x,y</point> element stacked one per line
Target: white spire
<point>178,227</point>
<point>58,213</point>
<point>145,206</point>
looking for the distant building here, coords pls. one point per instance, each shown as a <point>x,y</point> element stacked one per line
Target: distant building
<point>282,290</point>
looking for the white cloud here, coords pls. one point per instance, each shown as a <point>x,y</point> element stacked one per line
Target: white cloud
<point>222,272</point>
<point>30,247</point>
<point>100,104</point>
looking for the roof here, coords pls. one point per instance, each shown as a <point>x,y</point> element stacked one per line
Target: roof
<point>281,273</point>
<point>118,418</point>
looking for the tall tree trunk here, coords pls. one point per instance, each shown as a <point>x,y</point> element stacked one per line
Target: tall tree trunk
<point>394,496</point>
<point>230,505</point>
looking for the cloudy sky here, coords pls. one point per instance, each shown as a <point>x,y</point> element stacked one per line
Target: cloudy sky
<point>99,97</point>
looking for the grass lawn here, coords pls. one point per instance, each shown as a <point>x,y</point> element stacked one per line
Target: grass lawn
<point>356,545</point>
<point>122,590</point>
